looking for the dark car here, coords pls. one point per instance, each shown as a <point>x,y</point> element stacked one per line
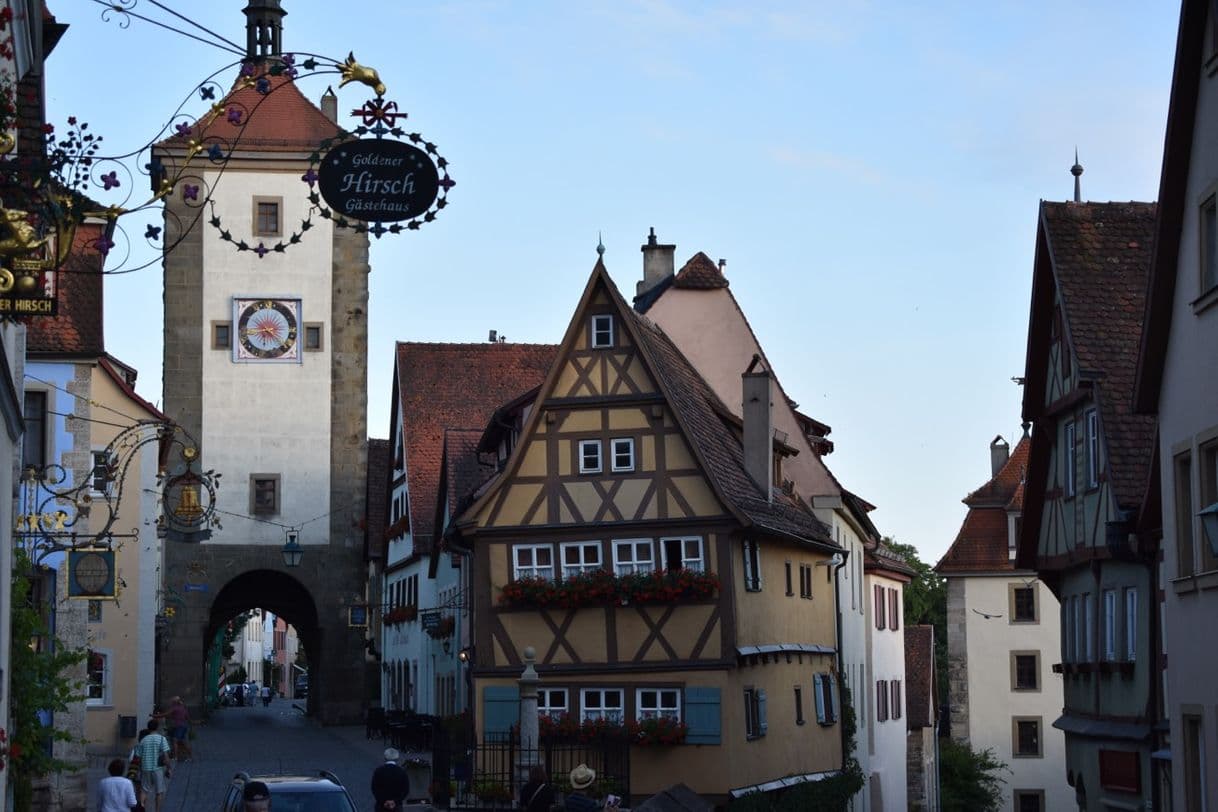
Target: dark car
<point>301,687</point>
<point>294,793</point>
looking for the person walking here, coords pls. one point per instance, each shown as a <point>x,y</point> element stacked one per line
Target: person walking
<point>154,766</point>
<point>390,784</point>
<point>266,695</point>
<point>115,792</point>
<point>537,795</point>
<point>177,725</point>
<point>256,797</point>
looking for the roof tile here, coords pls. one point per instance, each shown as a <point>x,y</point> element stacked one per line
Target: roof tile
<point>919,676</point>
<point>982,545</point>
<point>701,273</point>
<point>76,329</point>
<point>378,499</point>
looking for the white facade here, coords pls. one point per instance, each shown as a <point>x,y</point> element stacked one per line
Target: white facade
<point>267,417</point>
<point>12,345</point>
<point>401,641</point>
<point>885,691</point>
<point>854,650</point>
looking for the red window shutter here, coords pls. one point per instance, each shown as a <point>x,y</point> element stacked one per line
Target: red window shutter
<point>879,608</point>
<point>894,610</point>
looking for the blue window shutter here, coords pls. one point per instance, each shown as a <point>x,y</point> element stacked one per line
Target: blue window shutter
<point>500,710</point>
<point>702,715</point>
<point>761,722</point>
<point>818,689</point>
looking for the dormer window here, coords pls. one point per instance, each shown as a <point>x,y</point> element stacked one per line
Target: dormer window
<point>602,331</point>
<point>589,456</point>
<point>623,454</point>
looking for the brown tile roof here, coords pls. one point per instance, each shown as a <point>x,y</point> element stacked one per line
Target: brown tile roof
<point>1101,255</point>
<point>111,366</point>
<point>700,273</point>
<point>982,543</point>
<point>448,386</point>
<point>878,555</point>
<point>77,328</point>
<point>465,470</point>
<point>282,120</point>
<point>378,499</point>
<point>919,676</point>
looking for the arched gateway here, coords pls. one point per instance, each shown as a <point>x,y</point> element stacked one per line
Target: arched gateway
<point>266,363</point>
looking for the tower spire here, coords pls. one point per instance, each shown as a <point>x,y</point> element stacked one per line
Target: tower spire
<point>263,29</point>
<point>1077,171</point>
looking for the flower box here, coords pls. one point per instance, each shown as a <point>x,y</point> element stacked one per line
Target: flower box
<point>603,588</point>
<point>657,731</point>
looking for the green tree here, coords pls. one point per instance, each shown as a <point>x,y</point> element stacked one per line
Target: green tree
<point>925,602</point>
<point>40,682</point>
<point>969,779</point>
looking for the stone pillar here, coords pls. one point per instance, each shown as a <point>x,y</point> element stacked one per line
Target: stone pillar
<point>529,755</point>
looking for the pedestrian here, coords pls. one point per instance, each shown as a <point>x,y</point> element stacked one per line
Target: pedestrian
<point>240,694</point>
<point>266,696</point>
<point>537,795</point>
<point>177,725</point>
<point>154,766</point>
<point>390,784</point>
<point>579,799</point>
<point>114,792</point>
<point>257,797</point>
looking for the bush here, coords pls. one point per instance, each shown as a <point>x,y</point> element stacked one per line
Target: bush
<point>968,779</point>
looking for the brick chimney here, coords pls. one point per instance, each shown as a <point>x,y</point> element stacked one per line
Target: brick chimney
<point>657,263</point>
<point>758,427</point>
<point>999,453</point>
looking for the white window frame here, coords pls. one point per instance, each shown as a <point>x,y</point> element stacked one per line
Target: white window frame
<point>1075,629</point>
<point>610,713</point>
<point>1110,623</point>
<point>752,565</point>
<point>532,570</point>
<point>1088,635</point>
<point>655,703</point>
<point>102,697</point>
<point>636,564</point>
<point>616,446</point>
<point>546,706</point>
<point>585,564</point>
<point>1131,623</point>
<point>1070,474</point>
<point>600,462</point>
<point>686,560</point>
<point>602,326</point>
<point>1093,448</point>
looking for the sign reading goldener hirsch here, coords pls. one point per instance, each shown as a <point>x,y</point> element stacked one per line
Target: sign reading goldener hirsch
<point>378,180</point>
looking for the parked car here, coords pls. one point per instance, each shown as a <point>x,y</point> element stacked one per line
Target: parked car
<point>301,688</point>
<point>293,793</point>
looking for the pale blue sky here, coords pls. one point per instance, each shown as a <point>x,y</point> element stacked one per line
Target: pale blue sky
<point>870,171</point>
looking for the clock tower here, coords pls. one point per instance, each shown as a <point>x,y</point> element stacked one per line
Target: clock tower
<point>265,341</point>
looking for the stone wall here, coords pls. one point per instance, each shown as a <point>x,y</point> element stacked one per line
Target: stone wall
<point>957,660</point>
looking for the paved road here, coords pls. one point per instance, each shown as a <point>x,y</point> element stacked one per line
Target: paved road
<point>260,741</point>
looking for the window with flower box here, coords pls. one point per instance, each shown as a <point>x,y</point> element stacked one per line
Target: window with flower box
<point>631,556</point>
<point>534,561</point>
<point>579,557</point>
<point>589,456</point>
<point>682,552</point>
<point>602,704</point>
<point>651,703</point>
<point>551,702</point>
<point>621,450</point>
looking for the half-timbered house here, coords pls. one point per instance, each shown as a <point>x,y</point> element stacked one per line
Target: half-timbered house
<point>636,541</point>
<point>1088,471</point>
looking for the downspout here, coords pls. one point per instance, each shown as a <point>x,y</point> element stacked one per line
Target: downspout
<point>837,562</point>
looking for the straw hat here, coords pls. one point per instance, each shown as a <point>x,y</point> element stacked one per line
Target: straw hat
<point>582,777</point>
<point>392,754</point>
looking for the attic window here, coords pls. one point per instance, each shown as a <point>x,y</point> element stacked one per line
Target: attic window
<point>602,331</point>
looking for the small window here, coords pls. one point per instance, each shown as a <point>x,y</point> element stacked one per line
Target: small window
<point>633,556</point>
<point>1131,623</point>
<point>1207,475</point>
<point>268,216</point>
<point>34,443</point>
<point>1069,469</point>
<point>683,552</point>
<point>896,698</point>
<point>623,454</point>
<point>1109,617</point>
<point>1023,604</point>
<point>264,494</point>
<point>551,702</point>
<point>805,581</point>
<point>103,471</point>
<point>752,566</point>
<point>1209,245</point>
<point>313,336</point>
<point>791,592</point>
<point>589,456</point>
<point>602,331</point>
<point>1025,671</point>
<point>1093,449</point>
<point>754,713</point>
<point>824,695</point>
<point>221,335</point>
<point>799,704</point>
<point>602,704</point>
<point>534,561</point>
<point>1026,737</point>
<point>658,703</point>
<point>580,557</point>
<point>1029,800</point>
<point>97,690</point>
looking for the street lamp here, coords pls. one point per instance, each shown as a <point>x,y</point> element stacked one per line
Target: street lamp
<point>1209,521</point>
<point>292,551</point>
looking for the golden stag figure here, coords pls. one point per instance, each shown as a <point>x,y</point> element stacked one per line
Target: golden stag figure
<point>353,71</point>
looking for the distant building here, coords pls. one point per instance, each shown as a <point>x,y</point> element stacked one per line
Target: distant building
<point>921,713</point>
<point>1003,637</point>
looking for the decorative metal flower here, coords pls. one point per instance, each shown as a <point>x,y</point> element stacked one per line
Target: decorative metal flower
<point>103,245</point>
<point>261,250</point>
<point>153,232</point>
<point>215,153</point>
<point>190,192</point>
<point>207,92</point>
<point>263,85</point>
<point>234,115</point>
<point>309,177</point>
<point>110,180</point>
<point>183,129</point>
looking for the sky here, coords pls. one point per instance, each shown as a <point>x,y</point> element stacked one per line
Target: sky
<point>870,171</point>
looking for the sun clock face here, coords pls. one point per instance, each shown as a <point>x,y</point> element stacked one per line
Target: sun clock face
<point>266,329</point>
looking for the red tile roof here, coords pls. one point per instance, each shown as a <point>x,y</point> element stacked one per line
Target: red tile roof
<point>1101,257</point>
<point>701,273</point>
<point>455,386</point>
<point>77,327</point>
<point>919,676</point>
<point>377,499</point>
<point>982,545</point>
<point>282,120</point>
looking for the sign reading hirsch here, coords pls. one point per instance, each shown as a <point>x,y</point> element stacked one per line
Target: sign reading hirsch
<point>378,180</point>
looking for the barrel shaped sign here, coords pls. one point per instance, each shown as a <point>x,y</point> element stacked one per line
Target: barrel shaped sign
<point>378,180</point>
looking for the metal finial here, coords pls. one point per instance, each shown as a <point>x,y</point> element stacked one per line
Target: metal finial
<point>600,245</point>
<point>1077,171</point>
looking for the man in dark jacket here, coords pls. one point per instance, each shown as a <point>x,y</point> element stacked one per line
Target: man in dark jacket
<point>390,784</point>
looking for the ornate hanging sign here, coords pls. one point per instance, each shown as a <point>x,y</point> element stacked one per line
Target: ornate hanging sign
<point>378,180</point>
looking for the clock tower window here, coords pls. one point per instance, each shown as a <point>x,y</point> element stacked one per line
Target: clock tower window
<point>221,335</point>
<point>268,216</point>
<point>314,336</point>
<point>264,494</point>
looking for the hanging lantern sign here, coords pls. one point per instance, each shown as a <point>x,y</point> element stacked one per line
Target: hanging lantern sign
<point>378,180</point>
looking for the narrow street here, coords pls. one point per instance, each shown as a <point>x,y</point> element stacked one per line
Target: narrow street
<point>277,740</point>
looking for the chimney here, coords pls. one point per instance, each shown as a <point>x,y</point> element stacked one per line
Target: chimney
<point>657,263</point>
<point>999,452</point>
<point>758,427</point>
<point>329,105</point>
